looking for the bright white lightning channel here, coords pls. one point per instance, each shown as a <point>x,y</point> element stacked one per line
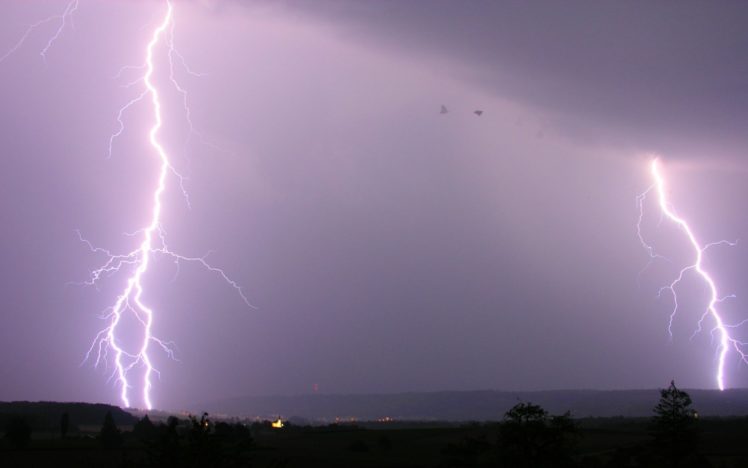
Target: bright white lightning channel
<point>726,341</point>
<point>130,301</point>
<point>137,261</point>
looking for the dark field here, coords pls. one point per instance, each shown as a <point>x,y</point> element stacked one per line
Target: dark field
<point>600,442</point>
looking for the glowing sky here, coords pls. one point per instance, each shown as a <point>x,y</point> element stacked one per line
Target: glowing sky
<point>387,247</point>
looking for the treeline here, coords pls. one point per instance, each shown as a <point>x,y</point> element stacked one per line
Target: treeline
<point>45,416</point>
<point>530,437</point>
<point>191,442</point>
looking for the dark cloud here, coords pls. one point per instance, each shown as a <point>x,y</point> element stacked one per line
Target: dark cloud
<point>648,75</point>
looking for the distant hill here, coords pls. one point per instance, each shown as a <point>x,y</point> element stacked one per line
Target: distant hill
<point>46,414</point>
<point>472,405</point>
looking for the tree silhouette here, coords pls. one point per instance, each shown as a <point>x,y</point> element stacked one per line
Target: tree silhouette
<point>674,425</point>
<point>530,437</point>
<point>196,442</point>
<point>64,425</point>
<point>18,432</point>
<point>216,444</point>
<point>110,436</point>
<point>164,450</point>
<point>144,429</point>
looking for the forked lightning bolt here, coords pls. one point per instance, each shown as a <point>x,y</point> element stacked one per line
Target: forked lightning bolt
<point>726,341</point>
<point>153,237</point>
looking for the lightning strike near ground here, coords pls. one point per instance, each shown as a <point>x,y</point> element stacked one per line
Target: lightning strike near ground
<point>153,239</point>
<point>109,344</point>
<point>726,342</point>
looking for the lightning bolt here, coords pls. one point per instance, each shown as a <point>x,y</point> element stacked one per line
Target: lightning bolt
<point>130,301</point>
<point>153,236</point>
<point>726,341</point>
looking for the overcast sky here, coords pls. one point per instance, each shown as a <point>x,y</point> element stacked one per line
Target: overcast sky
<point>386,247</point>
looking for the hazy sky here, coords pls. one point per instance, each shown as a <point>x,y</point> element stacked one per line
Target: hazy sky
<point>386,247</point>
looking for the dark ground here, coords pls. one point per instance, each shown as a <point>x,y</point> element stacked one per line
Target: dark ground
<point>724,442</point>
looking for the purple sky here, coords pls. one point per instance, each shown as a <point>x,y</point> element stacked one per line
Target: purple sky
<point>386,247</point>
